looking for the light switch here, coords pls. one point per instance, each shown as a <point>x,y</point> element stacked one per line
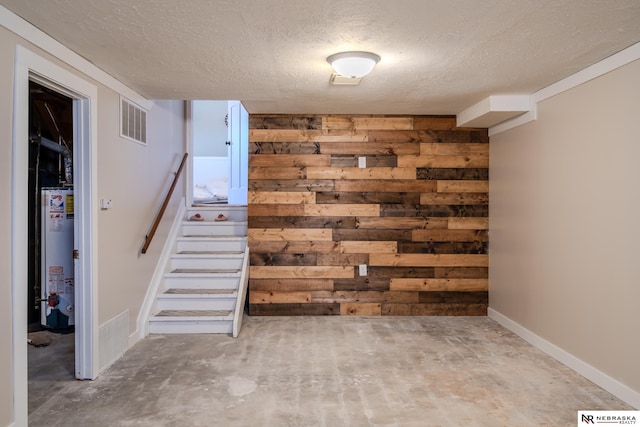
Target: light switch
<point>362,162</point>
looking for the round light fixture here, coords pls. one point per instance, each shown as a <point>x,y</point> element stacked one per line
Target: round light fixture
<point>353,64</point>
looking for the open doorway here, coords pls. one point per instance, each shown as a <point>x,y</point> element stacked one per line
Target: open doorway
<point>219,147</point>
<point>51,296</point>
<point>32,67</point>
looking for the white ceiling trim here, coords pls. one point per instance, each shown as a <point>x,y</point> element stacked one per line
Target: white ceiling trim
<point>22,28</point>
<point>613,62</point>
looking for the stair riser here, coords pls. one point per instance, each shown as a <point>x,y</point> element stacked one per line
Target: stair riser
<point>209,214</point>
<point>214,229</point>
<point>167,303</point>
<point>201,282</point>
<point>206,263</point>
<point>217,245</point>
<point>191,327</point>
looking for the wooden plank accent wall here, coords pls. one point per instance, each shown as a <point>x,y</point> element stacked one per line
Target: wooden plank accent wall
<point>417,216</point>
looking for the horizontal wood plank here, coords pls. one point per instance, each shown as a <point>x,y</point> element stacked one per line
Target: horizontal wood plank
<point>434,210</point>
<point>260,121</point>
<point>411,137</point>
<point>383,123</point>
<point>432,284</point>
<point>341,210</point>
<point>364,296</point>
<point>291,285</point>
<point>434,123</point>
<point>280,197</point>
<point>292,246</point>
<point>286,272</point>
<point>303,222</point>
<point>274,210</point>
<point>429,260</point>
<point>446,297</point>
<point>292,234</point>
<point>360,173</point>
<point>289,160</point>
<point>454,198</point>
<point>360,309</point>
<point>351,161</point>
<point>366,283</point>
<point>463,186</point>
<point>368,247</point>
<point>462,223</point>
<point>449,236</point>
<point>343,259</point>
<point>271,297</point>
<point>386,186</point>
<point>455,149</point>
<point>267,258</point>
<point>371,235</point>
<point>314,185</point>
<point>405,223</point>
<point>256,172</point>
<point>461,272</point>
<point>298,135</point>
<point>452,173</point>
<point>436,161</point>
<point>364,148</point>
<point>367,197</point>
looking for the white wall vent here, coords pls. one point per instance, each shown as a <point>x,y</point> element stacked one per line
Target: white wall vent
<point>133,121</point>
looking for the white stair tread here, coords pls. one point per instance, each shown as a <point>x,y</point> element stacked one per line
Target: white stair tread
<point>205,222</point>
<point>207,254</point>
<point>209,237</point>
<point>193,271</point>
<point>172,315</point>
<point>198,293</point>
<point>215,236</point>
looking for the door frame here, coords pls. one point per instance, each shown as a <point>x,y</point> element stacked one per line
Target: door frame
<point>32,67</point>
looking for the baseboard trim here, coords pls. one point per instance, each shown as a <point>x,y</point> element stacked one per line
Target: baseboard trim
<point>613,386</point>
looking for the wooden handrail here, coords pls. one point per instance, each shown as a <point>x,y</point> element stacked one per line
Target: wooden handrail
<point>156,222</point>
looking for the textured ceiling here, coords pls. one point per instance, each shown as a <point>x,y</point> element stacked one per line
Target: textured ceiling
<point>438,56</point>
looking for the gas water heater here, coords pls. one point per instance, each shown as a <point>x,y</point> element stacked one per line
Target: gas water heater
<point>57,258</point>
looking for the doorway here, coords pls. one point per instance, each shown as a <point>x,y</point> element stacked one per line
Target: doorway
<point>219,138</point>
<point>51,304</point>
<point>32,67</point>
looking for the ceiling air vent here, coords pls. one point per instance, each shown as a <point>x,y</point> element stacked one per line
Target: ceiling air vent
<point>133,121</point>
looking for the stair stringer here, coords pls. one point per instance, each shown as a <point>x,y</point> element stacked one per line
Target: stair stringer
<point>162,266</point>
<point>242,295</point>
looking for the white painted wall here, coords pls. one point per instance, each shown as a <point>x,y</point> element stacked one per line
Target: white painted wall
<point>135,177</point>
<point>564,203</point>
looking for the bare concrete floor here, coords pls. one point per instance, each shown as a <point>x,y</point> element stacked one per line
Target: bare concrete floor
<point>331,371</point>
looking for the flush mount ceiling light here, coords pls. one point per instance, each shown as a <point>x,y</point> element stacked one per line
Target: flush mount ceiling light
<point>353,65</point>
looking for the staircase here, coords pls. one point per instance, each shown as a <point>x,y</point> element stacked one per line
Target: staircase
<point>204,288</point>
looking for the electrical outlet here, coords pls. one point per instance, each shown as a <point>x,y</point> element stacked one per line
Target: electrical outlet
<point>105,204</point>
<point>362,162</point>
<point>363,269</point>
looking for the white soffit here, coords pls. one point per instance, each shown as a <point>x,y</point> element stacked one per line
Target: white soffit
<point>493,110</point>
